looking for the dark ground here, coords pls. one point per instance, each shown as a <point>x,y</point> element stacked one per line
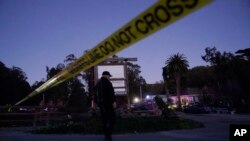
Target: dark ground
<point>216,129</point>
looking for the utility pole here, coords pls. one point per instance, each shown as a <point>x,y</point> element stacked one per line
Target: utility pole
<point>141,91</point>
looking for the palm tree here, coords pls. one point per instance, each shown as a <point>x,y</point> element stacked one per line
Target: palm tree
<point>177,66</point>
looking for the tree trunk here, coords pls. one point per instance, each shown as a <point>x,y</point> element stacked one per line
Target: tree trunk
<point>166,91</point>
<point>178,90</point>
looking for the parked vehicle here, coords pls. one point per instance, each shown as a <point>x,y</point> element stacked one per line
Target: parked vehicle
<point>145,108</point>
<point>197,108</point>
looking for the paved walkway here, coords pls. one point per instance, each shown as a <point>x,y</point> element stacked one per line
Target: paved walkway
<point>217,129</point>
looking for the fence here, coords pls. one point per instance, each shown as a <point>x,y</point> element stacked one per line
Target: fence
<point>29,116</point>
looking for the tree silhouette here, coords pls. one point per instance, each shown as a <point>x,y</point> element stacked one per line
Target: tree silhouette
<point>232,75</point>
<point>177,66</point>
<point>135,80</point>
<point>13,84</point>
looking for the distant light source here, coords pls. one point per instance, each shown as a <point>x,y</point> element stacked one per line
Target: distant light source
<point>136,100</point>
<point>147,97</point>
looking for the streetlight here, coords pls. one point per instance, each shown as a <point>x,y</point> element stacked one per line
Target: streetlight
<point>136,100</point>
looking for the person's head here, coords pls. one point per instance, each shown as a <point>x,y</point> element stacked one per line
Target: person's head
<point>106,74</point>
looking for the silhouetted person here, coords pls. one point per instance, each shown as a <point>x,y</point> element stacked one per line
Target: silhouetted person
<point>105,99</point>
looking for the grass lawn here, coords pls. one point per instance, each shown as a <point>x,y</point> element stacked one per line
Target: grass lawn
<point>135,124</point>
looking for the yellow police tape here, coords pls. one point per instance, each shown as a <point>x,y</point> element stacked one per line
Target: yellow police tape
<point>159,15</point>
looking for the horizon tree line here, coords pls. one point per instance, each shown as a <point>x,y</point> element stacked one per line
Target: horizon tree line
<point>228,73</point>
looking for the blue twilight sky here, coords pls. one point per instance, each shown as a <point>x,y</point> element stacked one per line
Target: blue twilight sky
<point>39,33</point>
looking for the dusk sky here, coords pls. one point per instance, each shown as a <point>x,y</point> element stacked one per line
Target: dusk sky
<point>39,33</point>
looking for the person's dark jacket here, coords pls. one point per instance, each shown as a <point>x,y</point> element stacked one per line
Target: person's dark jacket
<point>104,93</point>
